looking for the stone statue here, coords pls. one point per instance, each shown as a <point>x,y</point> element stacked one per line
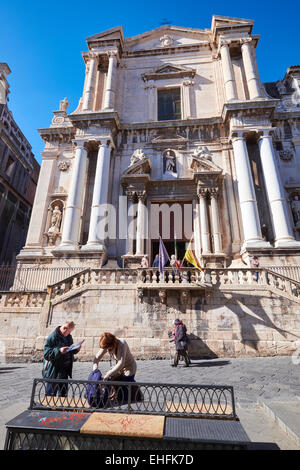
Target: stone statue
<point>295,206</point>
<point>63,104</point>
<point>55,220</point>
<point>170,162</point>
<point>137,155</point>
<point>202,152</point>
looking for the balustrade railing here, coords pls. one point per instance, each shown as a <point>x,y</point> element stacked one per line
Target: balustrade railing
<point>28,282</point>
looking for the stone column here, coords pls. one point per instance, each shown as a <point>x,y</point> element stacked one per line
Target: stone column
<point>252,78</point>
<point>197,227</point>
<point>131,224</point>
<point>72,220</point>
<point>229,81</point>
<point>278,205</point>
<point>96,241</point>
<point>110,91</point>
<point>187,86</point>
<point>205,235</point>
<point>141,223</point>
<point>89,93</point>
<point>248,203</point>
<point>215,221</point>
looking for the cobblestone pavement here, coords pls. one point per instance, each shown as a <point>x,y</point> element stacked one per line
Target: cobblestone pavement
<point>253,379</point>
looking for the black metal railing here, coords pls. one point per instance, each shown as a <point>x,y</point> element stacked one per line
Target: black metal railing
<point>135,397</point>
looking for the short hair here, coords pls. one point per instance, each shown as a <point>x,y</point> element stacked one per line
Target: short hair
<point>108,340</point>
<point>70,324</point>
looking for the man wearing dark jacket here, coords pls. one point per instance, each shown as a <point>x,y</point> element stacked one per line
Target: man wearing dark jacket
<point>58,362</point>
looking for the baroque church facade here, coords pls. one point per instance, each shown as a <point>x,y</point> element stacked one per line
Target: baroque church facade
<point>174,136</point>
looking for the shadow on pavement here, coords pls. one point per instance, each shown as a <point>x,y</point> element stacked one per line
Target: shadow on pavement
<point>209,364</point>
<point>3,370</point>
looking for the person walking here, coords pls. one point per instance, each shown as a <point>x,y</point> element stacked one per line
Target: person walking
<point>58,361</point>
<point>181,341</point>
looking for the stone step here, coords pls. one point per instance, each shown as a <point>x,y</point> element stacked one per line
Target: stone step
<point>286,415</point>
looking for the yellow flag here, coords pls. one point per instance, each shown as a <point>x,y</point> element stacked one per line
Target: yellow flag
<point>191,257</point>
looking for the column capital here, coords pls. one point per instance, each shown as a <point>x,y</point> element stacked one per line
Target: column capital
<point>244,41</point>
<point>213,192</point>
<point>141,195</point>
<point>237,135</point>
<point>113,54</point>
<point>80,143</point>
<point>202,192</point>
<point>265,133</point>
<point>188,83</point>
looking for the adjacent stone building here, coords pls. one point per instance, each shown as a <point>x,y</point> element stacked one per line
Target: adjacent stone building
<point>174,136</point>
<point>19,173</point>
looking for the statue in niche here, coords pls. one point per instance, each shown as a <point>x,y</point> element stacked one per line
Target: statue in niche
<point>55,220</point>
<point>202,152</point>
<point>295,206</point>
<point>137,156</point>
<point>169,161</point>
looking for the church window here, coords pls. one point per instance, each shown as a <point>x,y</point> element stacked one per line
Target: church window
<point>169,104</point>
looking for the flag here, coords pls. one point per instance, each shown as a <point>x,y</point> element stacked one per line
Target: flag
<point>191,257</point>
<point>175,246</point>
<point>163,256</point>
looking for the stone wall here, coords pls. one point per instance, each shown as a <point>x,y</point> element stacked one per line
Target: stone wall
<point>235,323</point>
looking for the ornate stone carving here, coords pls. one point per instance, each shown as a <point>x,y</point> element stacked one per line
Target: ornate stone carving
<point>166,40</point>
<point>202,152</point>
<point>245,41</point>
<point>162,293</point>
<point>63,166</point>
<point>137,155</point>
<point>188,83</point>
<point>286,155</point>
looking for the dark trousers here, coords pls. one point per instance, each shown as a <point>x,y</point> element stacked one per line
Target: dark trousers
<point>54,389</point>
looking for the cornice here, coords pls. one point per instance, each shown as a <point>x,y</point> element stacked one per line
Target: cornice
<point>95,117</point>
<point>168,50</point>
<point>231,108</point>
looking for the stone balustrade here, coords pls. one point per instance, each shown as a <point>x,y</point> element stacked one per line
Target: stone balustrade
<point>188,278</point>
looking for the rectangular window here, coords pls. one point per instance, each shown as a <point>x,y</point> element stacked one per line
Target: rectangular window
<point>169,104</point>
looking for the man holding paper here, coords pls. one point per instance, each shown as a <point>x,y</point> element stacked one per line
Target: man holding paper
<point>58,358</point>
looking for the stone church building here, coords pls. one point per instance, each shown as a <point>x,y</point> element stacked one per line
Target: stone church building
<point>175,136</point>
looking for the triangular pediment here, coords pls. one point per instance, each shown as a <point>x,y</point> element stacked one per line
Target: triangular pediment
<point>169,71</point>
<point>166,36</point>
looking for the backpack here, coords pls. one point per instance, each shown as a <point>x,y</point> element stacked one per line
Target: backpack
<point>96,395</point>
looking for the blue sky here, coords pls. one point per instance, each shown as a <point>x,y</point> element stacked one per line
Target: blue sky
<point>42,44</point>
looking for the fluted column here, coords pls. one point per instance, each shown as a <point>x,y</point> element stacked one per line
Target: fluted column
<point>229,81</point>
<point>96,240</point>
<point>110,90</point>
<point>215,221</point>
<point>71,227</point>
<point>205,235</point>
<point>89,93</point>
<point>141,223</point>
<point>247,197</point>
<point>252,78</point>
<point>277,201</point>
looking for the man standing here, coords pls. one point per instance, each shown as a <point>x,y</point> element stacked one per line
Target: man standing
<point>58,362</point>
